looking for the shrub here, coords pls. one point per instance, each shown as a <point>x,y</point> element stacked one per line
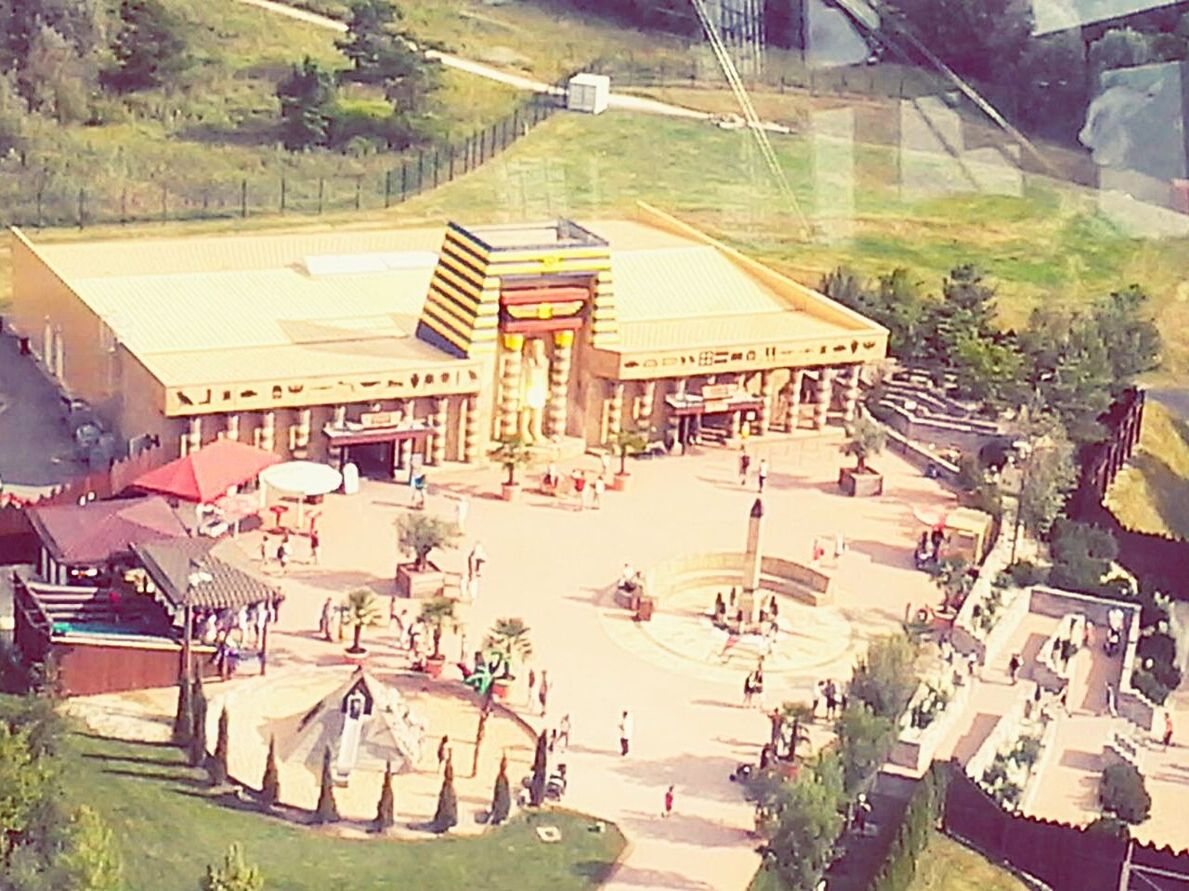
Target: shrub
<point>1167,674</point>
<point>886,677</point>
<point>924,808</point>
<point>233,874</point>
<point>1026,574</point>
<point>270,785</point>
<point>1110,826</point>
<point>446,815</point>
<point>501,795</point>
<point>327,810</point>
<point>1147,684</point>
<point>386,808</point>
<point>1159,647</point>
<point>1027,750</point>
<point>1122,792</point>
<point>864,741</point>
<point>536,787</point>
<point>218,764</point>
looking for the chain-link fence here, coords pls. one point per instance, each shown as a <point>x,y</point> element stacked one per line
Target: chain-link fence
<point>32,197</point>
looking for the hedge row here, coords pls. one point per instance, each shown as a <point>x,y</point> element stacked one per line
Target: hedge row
<point>924,810</point>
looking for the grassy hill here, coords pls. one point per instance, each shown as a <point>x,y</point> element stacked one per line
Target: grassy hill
<point>1151,494</point>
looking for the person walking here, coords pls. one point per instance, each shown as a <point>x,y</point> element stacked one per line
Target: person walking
<point>757,687</point>
<point>475,560</point>
<point>543,692</point>
<point>625,733</point>
<point>582,490</point>
<point>1167,737</point>
<point>532,684</point>
<point>398,621</point>
<point>443,751</point>
<point>831,693</point>
<point>748,691</point>
<point>283,553</point>
<point>817,697</point>
<point>1013,667</point>
<point>605,463</point>
<point>264,549</point>
<point>744,465</point>
<point>762,473</point>
<point>324,621</point>
<point>668,811</point>
<point>598,487</point>
<point>315,544</point>
<point>462,509</point>
<point>563,732</point>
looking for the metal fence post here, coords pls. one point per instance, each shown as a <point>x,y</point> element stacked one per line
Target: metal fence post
<point>124,205</point>
<point>483,145</point>
<point>243,198</point>
<point>404,181</point>
<point>420,171</point>
<point>164,202</point>
<point>387,189</point>
<point>321,192</point>
<point>358,191</point>
<point>436,163</point>
<point>82,197</point>
<point>40,197</point>
<point>282,193</point>
<point>516,122</point>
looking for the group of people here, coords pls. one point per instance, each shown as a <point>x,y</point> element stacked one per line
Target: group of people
<point>928,551</point>
<point>588,489</point>
<point>244,626</point>
<point>832,694</point>
<point>745,469</point>
<point>283,553</point>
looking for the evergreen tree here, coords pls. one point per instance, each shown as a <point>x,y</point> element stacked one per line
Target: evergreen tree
<point>326,811</point>
<point>369,34</point>
<point>149,47</point>
<point>536,788</point>
<point>966,311</point>
<point>270,785</point>
<point>233,874</point>
<point>218,764</point>
<point>183,719</point>
<point>501,796</point>
<point>307,105</point>
<point>386,809</point>
<point>446,815</point>
<point>198,739</point>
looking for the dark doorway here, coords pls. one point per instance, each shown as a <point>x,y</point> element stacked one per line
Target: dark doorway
<point>374,459</point>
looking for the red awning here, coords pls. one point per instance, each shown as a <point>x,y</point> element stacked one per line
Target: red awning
<point>207,474</point>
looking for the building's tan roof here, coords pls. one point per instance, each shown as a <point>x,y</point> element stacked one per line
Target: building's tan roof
<point>723,331</point>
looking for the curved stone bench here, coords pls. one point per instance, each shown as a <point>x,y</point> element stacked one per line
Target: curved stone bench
<point>804,583</point>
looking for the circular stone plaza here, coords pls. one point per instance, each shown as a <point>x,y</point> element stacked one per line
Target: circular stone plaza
<point>556,566</point>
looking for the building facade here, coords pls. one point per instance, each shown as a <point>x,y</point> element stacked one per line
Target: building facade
<point>384,347</point>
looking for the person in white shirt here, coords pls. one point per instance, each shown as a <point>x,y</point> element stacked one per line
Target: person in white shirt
<point>625,733</point>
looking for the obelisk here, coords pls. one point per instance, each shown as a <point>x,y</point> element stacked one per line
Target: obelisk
<point>752,560</point>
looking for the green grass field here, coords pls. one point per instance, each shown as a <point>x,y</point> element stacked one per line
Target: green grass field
<point>168,831</point>
<point>1151,494</point>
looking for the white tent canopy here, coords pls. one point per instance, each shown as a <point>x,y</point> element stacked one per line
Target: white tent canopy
<point>301,478</point>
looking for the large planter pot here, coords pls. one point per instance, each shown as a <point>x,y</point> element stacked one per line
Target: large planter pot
<point>356,658</point>
<point>509,491</point>
<point>619,482</point>
<point>420,584</point>
<point>860,484</point>
<point>434,666</point>
<point>499,689</point>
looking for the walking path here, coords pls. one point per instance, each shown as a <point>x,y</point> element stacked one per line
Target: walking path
<point>554,566</point>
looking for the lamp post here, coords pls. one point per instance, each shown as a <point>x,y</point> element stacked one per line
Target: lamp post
<point>1024,450</point>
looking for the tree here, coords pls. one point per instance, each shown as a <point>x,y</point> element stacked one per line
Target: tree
<point>989,370</point>
<point>327,811</point>
<point>1122,792</point>
<point>218,764</point>
<point>895,302</point>
<point>1132,340</point>
<point>510,638</point>
<point>501,795</point>
<point>1119,48</point>
<point>84,855</point>
<point>149,48</point>
<point>270,785</point>
<point>802,822</point>
<point>370,31</point>
<point>420,533</point>
<point>1050,475</point>
<point>437,613</point>
<point>198,740</point>
<point>386,808</point>
<point>954,580</point>
<point>446,815</point>
<point>966,311</point>
<point>183,719</point>
<point>886,677</point>
<point>794,718</point>
<point>864,740</point>
<point>980,39</point>
<point>626,442</point>
<point>307,99</point>
<point>363,610</point>
<point>512,453</point>
<point>865,439</point>
<point>1082,554</point>
<point>233,874</point>
<point>540,775</point>
<point>1053,91</point>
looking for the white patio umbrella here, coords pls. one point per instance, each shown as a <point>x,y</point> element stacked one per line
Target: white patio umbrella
<point>302,478</point>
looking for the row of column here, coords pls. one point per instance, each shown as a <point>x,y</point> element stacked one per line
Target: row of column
<point>511,371</point>
<point>823,395</point>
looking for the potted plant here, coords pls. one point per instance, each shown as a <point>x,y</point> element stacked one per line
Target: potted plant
<point>623,443</point>
<point>512,453</point>
<point>437,614</point>
<point>418,534</point>
<point>865,438</point>
<point>362,608</point>
<point>509,638</point>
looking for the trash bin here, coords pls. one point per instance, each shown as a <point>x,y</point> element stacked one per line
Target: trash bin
<point>644,608</point>
<point>350,479</point>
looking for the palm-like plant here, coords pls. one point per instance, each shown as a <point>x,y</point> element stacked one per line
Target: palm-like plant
<point>512,452</point>
<point>437,614</point>
<point>794,718</point>
<point>419,533</point>
<point>510,638</point>
<point>865,438</point>
<point>362,608</point>
<point>628,442</point>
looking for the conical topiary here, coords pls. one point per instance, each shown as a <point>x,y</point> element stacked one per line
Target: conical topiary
<point>183,719</point>
<point>270,786</point>
<point>536,787</point>
<point>501,796</point>
<point>198,739</point>
<point>446,816</point>
<point>386,809</point>
<point>326,811</point>
<point>218,764</point>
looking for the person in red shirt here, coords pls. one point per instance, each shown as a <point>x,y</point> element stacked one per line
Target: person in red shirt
<point>668,811</point>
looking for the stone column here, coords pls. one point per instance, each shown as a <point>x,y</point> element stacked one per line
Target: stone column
<point>437,452</point>
<point>470,438</point>
<point>736,424</point>
<point>764,415</point>
<point>821,397</point>
<point>268,431</point>
<point>340,416</point>
<point>232,429</point>
<point>510,385</point>
<point>299,436</point>
<point>796,380</point>
<point>615,409</point>
<point>194,436</point>
<point>850,398</point>
<point>59,354</point>
<point>646,403</point>
<point>47,345</point>
<point>559,383</point>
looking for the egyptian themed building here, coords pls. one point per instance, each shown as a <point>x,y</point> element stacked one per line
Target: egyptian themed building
<point>376,346</point>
